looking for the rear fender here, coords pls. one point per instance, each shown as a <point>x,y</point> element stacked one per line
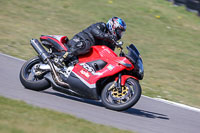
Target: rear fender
<point>55,41</point>
<point>124,78</point>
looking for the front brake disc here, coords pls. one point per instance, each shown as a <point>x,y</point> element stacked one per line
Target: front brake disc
<point>120,95</point>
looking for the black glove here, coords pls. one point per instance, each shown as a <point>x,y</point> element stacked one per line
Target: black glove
<point>114,38</point>
<point>110,38</point>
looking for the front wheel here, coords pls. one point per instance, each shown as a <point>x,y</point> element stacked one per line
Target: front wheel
<point>28,76</point>
<point>120,99</point>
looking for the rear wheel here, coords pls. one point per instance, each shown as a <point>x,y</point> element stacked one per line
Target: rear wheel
<point>123,98</point>
<point>30,79</point>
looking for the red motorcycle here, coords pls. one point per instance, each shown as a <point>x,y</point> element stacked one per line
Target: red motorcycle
<point>98,75</point>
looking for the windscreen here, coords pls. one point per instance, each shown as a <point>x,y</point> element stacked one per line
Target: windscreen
<point>133,53</point>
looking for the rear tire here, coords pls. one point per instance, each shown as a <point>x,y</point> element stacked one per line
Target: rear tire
<point>36,85</point>
<point>130,98</point>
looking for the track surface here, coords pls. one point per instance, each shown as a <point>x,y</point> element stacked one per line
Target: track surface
<point>147,116</point>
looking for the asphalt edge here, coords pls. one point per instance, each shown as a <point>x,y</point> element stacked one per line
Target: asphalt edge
<point>174,104</point>
<point>12,57</point>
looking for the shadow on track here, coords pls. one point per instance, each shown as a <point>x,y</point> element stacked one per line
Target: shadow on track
<point>146,114</point>
<point>93,102</point>
<point>131,111</point>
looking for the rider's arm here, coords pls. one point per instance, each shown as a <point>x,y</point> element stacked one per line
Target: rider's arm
<point>98,32</point>
<point>110,46</point>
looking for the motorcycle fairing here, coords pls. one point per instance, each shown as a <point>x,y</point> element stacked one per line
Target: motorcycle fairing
<point>114,65</point>
<point>74,81</point>
<point>96,65</point>
<point>81,87</point>
<point>57,41</point>
<point>98,52</point>
<point>135,57</point>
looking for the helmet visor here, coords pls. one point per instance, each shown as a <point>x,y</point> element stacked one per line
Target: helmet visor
<point>120,33</point>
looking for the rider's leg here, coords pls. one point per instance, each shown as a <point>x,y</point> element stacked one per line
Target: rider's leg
<point>77,46</point>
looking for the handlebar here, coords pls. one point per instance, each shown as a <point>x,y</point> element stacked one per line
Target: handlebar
<point>117,44</point>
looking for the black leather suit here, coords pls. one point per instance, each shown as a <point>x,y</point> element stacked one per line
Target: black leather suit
<point>96,34</point>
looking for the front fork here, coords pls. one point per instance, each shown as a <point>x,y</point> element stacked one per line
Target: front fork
<point>117,83</point>
<point>120,81</point>
<point>119,87</point>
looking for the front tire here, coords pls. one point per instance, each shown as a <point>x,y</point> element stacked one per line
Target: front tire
<point>117,100</point>
<point>32,83</point>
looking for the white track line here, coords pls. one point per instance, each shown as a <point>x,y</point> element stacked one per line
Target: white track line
<point>174,104</point>
<point>12,57</point>
<point>178,104</point>
<point>156,99</point>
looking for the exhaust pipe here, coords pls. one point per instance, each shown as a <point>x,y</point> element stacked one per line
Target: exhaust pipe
<point>56,77</point>
<point>39,49</point>
<point>44,55</point>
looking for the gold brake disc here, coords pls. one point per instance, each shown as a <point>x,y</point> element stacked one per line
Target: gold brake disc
<point>117,94</point>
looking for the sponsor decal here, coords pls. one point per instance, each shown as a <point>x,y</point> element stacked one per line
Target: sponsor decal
<point>89,68</point>
<point>86,74</point>
<point>85,82</point>
<point>110,67</point>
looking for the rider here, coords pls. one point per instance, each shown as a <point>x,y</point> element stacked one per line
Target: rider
<point>97,34</point>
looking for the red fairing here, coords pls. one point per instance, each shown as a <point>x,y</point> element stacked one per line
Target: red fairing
<point>98,52</point>
<point>56,39</point>
<point>114,64</point>
<point>124,78</point>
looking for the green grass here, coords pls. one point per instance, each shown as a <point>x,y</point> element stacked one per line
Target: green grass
<point>19,117</point>
<point>169,43</point>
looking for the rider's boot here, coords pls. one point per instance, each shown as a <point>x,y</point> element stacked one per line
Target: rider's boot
<point>64,58</point>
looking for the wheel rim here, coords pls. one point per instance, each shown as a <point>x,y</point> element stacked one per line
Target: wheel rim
<point>116,96</point>
<point>29,73</point>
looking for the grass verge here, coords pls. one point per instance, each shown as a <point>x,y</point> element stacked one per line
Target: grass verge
<point>19,117</point>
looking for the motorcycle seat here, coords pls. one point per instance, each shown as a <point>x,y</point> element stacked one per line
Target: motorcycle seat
<point>58,42</point>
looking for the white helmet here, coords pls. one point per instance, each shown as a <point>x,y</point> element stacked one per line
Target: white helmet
<point>116,26</point>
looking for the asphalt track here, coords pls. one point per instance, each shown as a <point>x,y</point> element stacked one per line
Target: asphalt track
<point>147,116</point>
